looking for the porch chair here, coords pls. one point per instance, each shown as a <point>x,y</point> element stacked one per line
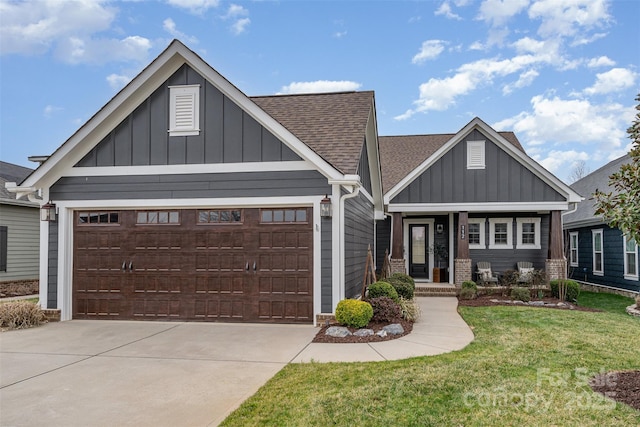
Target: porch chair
<point>525,269</point>
<point>485,274</point>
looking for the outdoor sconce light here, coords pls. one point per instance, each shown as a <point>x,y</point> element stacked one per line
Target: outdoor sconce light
<point>439,228</point>
<point>48,212</point>
<point>326,210</point>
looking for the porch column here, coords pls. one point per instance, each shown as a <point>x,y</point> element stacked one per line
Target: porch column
<point>462,265</point>
<point>397,256</point>
<point>556,264</point>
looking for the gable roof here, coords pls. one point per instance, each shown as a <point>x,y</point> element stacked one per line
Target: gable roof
<point>599,179</point>
<point>12,173</point>
<point>508,143</point>
<point>331,124</point>
<point>399,155</point>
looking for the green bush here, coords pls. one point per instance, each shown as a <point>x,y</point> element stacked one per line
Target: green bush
<point>382,289</point>
<point>521,294</point>
<point>20,315</point>
<point>385,309</point>
<point>410,309</point>
<point>468,293</point>
<point>469,284</point>
<point>573,289</point>
<point>509,278</point>
<point>355,313</point>
<point>404,285</point>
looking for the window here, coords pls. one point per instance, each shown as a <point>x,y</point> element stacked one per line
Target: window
<point>476,233</point>
<point>598,262</point>
<point>184,110</point>
<point>475,155</point>
<point>101,218</point>
<point>528,233</point>
<point>630,258</point>
<point>158,217</point>
<point>283,215</point>
<point>573,249</point>
<point>219,216</point>
<point>500,233</point>
<point>4,231</point>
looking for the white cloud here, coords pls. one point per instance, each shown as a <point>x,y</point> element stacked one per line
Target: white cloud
<point>34,27</point>
<point>170,27</point>
<point>339,34</point>
<point>558,161</point>
<point>75,50</point>
<point>614,80</point>
<point>240,26</point>
<point>498,12</point>
<point>320,86</point>
<point>569,17</point>
<point>445,9</point>
<point>602,61</point>
<point>524,80</point>
<point>196,7</point>
<point>118,81</point>
<point>235,10</point>
<point>239,15</point>
<point>430,50</point>
<point>50,110</point>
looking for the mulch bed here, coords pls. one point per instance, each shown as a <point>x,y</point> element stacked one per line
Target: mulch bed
<point>485,301</point>
<point>18,289</point>
<point>622,387</point>
<point>322,338</point>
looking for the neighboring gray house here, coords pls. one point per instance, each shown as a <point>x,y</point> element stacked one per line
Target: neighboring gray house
<point>19,229</point>
<point>598,253</point>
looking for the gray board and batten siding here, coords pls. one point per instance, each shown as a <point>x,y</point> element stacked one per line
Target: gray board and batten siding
<point>52,268</point>
<point>227,133</point>
<point>359,236</point>
<point>363,169</point>
<point>326,266</point>
<point>504,179</point>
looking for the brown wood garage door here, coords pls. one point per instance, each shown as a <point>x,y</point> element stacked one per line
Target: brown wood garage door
<point>244,265</point>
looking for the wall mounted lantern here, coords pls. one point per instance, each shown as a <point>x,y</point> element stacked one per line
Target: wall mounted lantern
<point>48,212</point>
<point>326,210</point>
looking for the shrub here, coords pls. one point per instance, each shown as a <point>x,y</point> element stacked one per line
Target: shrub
<point>382,289</point>
<point>385,309</point>
<point>573,289</point>
<point>509,278</point>
<point>469,284</point>
<point>20,315</point>
<point>538,278</point>
<point>521,294</point>
<point>410,309</point>
<point>403,284</point>
<point>468,293</point>
<point>355,313</point>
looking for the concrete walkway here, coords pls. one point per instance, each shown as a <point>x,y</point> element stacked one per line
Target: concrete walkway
<point>440,329</point>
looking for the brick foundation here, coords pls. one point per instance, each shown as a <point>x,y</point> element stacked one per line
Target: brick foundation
<point>397,266</point>
<point>462,268</point>
<point>321,319</point>
<point>52,314</point>
<point>556,269</point>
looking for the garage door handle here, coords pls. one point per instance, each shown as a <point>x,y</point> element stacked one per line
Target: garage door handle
<point>124,266</point>
<point>130,265</point>
<point>254,266</point>
<point>247,266</point>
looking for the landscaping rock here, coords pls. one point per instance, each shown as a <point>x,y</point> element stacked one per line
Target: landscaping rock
<point>381,333</point>
<point>537,303</point>
<point>394,329</point>
<point>338,332</point>
<point>633,310</point>
<point>363,332</point>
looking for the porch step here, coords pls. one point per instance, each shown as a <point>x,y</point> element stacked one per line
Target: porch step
<point>433,290</point>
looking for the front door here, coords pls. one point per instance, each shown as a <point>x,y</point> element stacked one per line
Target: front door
<point>418,253</point>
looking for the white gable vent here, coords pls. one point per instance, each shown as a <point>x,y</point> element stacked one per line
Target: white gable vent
<point>184,110</point>
<point>475,155</point>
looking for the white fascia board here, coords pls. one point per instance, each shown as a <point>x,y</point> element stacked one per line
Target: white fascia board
<point>351,180</point>
<point>190,169</point>
<point>373,152</point>
<point>479,207</point>
<point>139,89</point>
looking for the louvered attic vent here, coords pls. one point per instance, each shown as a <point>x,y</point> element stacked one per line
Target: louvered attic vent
<point>475,155</point>
<point>184,110</point>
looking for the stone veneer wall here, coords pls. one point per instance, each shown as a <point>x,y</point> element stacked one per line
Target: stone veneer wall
<point>556,269</point>
<point>462,268</point>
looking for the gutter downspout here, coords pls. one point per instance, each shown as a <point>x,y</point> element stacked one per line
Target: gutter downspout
<point>356,191</point>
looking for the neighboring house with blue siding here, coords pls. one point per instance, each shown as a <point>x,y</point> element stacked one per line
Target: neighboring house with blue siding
<point>596,252</point>
<point>19,229</point>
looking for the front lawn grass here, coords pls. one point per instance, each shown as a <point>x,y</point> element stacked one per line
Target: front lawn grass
<point>610,303</point>
<point>527,366</point>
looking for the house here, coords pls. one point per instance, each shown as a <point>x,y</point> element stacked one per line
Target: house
<point>183,198</point>
<point>19,229</point>
<point>477,194</point>
<point>598,253</point>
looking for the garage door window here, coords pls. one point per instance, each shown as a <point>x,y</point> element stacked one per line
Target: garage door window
<point>102,218</point>
<point>220,216</point>
<point>283,215</point>
<point>158,217</point>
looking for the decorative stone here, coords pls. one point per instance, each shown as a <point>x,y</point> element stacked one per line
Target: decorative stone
<point>537,303</point>
<point>633,310</point>
<point>338,332</point>
<point>394,329</point>
<point>494,300</point>
<point>562,304</point>
<point>381,333</point>
<point>363,332</point>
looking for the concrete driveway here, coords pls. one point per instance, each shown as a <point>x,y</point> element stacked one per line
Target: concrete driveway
<point>119,373</point>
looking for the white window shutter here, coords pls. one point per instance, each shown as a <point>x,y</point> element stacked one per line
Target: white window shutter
<point>184,110</point>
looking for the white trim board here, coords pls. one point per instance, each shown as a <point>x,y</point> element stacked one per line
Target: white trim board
<point>479,207</point>
<point>407,241</point>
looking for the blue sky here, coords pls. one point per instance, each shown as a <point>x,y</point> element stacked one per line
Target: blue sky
<point>562,74</point>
